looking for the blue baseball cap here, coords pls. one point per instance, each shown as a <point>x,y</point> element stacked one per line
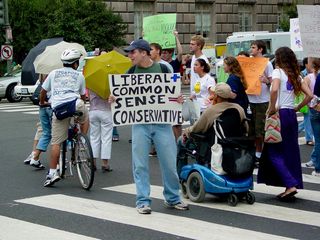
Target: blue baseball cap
<point>138,44</point>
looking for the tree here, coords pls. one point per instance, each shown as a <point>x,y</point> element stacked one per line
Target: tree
<point>290,11</point>
<point>89,23</point>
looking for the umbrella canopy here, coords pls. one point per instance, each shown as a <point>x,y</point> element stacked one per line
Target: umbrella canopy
<point>28,74</point>
<point>97,70</point>
<point>50,59</point>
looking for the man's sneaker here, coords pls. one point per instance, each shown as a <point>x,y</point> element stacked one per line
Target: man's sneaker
<point>51,179</point>
<point>179,206</point>
<point>144,209</point>
<point>36,164</point>
<point>309,164</point>
<point>28,159</point>
<point>316,174</point>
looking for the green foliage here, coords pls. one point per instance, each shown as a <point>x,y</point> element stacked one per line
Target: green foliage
<point>89,23</point>
<point>289,11</point>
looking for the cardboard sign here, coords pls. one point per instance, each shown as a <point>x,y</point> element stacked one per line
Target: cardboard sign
<point>309,21</point>
<point>159,29</point>
<point>295,36</point>
<point>145,98</point>
<point>252,69</point>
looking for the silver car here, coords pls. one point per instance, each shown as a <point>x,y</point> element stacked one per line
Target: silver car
<point>7,84</point>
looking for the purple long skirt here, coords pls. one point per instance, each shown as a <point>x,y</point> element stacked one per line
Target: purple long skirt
<point>280,163</point>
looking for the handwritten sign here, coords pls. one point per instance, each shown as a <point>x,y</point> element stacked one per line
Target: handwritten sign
<point>309,21</point>
<point>295,36</point>
<point>252,69</point>
<point>146,98</point>
<point>159,29</point>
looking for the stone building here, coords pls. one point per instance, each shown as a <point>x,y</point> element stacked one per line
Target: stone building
<point>214,19</point>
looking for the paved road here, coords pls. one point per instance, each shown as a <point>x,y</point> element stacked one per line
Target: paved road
<point>30,211</point>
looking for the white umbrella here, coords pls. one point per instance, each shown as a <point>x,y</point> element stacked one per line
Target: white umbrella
<point>50,59</point>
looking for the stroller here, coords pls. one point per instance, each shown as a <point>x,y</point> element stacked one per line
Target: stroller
<point>197,178</point>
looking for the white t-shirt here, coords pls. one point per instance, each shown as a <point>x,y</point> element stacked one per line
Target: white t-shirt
<point>167,64</point>
<point>65,84</point>
<point>286,94</point>
<point>194,76</point>
<point>265,91</point>
<point>205,83</point>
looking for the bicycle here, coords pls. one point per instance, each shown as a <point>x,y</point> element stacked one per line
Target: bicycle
<point>76,152</point>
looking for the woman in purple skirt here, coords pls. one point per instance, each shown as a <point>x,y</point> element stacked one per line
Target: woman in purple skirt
<point>281,165</point>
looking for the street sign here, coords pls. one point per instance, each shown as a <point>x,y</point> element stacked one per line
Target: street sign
<point>6,52</point>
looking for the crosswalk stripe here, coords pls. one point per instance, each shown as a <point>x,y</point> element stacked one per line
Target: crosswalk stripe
<point>306,177</point>
<point>32,113</point>
<point>16,110</point>
<point>10,226</point>
<point>171,224</point>
<point>258,209</point>
<point>18,107</point>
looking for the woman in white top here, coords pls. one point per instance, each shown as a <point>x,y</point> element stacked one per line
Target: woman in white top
<point>281,165</point>
<point>201,90</point>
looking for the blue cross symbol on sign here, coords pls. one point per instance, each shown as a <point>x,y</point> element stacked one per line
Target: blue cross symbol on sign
<point>175,77</point>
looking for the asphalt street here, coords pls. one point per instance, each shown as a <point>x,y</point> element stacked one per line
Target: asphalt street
<point>107,211</point>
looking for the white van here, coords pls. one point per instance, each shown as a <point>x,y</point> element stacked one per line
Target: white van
<point>241,41</point>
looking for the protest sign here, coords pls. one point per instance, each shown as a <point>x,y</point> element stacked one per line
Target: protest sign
<point>146,98</point>
<point>295,36</point>
<point>159,29</point>
<point>252,69</point>
<point>309,21</point>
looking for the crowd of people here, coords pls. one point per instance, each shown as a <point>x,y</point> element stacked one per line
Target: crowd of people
<point>280,163</point>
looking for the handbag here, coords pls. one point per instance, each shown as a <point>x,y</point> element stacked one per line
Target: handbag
<point>272,129</point>
<point>65,110</point>
<point>217,152</point>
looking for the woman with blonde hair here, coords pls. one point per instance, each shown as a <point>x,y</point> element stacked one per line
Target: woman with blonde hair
<point>280,162</point>
<point>236,81</point>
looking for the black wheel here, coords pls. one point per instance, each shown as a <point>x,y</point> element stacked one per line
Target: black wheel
<point>84,161</point>
<point>232,199</point>
<point>184,189</point>
<point>62,159</point>
<point>11,96</point>
<point>250,198</point>
<point>195,187</point>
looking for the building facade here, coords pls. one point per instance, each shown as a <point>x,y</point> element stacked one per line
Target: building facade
<point>214,19</point>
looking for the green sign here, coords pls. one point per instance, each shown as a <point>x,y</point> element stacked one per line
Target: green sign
<point>159,29</point>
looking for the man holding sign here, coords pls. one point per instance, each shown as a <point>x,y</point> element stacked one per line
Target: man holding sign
<point>259,102</point>
<point>159,133</point>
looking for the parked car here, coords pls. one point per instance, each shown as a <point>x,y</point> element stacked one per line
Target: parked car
<point>25,90</point>
<point>7,84</point>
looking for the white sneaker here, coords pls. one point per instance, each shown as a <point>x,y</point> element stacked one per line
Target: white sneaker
<point>28,159</point>
<point>309,164</point>
<point>316,174</point>
<point>51,179</point>
<point>144,209</point>
<point>36,164</point>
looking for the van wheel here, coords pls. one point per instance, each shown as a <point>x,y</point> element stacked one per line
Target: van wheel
<point>11,96</point>
<point>195,187</point>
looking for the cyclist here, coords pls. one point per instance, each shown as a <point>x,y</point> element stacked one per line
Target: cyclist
<point>66,85</point>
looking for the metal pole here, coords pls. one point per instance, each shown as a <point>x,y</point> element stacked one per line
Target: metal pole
<point>7,26</point>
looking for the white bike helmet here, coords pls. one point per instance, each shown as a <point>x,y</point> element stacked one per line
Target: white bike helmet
<point>69,56</point>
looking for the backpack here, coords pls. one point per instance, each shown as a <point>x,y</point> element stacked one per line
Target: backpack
<point>164,69</point>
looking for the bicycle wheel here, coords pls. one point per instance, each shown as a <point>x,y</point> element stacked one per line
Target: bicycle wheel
<point>84,161</point>
<point>62,159</point>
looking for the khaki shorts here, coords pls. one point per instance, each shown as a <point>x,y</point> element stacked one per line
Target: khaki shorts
<point>258,119</point>
<point>60,127</point>
<point>38,134</point>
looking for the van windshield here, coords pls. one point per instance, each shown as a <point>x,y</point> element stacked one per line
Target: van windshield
<point>233,48</point>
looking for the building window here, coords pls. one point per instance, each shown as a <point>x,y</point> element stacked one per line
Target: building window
<point>245,17</point>
<point>141,10</point>
<point>203,19</point>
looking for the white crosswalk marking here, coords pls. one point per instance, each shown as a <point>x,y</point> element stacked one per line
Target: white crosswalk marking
<point>258,209</point>
<point>156,221</point>
<point>26,233</point>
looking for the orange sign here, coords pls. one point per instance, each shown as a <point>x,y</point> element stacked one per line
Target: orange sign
<point>252,69</point>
